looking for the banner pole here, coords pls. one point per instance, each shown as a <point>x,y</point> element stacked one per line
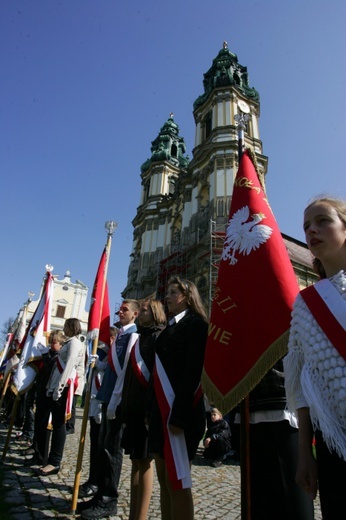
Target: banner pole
<point>245,466</point>
<point>10,428</point>
<point>111,227</point>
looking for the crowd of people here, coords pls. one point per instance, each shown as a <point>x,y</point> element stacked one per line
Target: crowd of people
<point>146,399</point>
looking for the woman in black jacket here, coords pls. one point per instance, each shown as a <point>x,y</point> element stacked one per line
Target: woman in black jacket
<point>177,418</point>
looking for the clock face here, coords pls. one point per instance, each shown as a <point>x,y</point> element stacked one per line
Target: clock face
<point>244,107</point>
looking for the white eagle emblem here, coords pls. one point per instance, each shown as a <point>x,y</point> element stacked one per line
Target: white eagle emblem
<point>244,236</point>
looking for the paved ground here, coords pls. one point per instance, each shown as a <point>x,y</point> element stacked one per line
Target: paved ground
<point>216,490</point>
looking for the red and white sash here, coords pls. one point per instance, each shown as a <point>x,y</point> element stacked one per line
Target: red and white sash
<point>138,365</point>
<point>72,387</point>
<point>329,310</point>
<point>174,449</point>
<point>113,360</point>
<point>118,388</point>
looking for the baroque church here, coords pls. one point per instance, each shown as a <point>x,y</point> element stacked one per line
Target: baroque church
<point>184,206</point>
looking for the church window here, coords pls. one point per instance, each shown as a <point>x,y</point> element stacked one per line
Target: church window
<point>146,190</point>
<point>236,79</point>
<point>60,311</point>
<point>220,208</point>
<point>208,125</point>
<point>174,150</point>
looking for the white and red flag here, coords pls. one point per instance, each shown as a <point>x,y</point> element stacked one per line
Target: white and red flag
<point>99,313</point>
<point>34,342</point>
<point>255,290</point>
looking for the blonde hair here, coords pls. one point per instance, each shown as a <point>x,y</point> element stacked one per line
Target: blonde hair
<point>157,310</point>
<point>57,335</point>
<point>134,304</point>
<point>215,410</point>
<point>190,291</point>
<point>340,207</point>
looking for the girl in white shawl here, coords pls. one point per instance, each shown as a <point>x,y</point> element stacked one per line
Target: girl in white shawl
<point>315,366</point>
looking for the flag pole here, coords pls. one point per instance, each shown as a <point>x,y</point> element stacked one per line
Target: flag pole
<point>245,470</point>
<point>10,428</point>
<point>4,388</point>
<point>111,227</point>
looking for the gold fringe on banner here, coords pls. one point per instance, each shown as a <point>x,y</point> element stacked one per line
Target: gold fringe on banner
<point>227,402</point>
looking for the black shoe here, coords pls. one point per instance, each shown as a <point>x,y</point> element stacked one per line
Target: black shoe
<point>53,471</point>
<point>82,506</point>
<point>69,432</point>
<point>87,490</point>
<point>34,461</point>
<point>104,507</point>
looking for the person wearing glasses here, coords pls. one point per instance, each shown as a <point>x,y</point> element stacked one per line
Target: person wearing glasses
<point>110,453</point>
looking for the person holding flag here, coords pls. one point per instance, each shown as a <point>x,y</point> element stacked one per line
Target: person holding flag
<point>110,453</point>
<point>248,336</point>
<point>177,415</point>
<point>315,366</point>
<point>66,379</point>
<point>39,447</point>
<point>89,488</point>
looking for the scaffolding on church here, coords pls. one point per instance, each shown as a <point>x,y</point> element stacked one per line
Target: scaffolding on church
<point>198,263</point>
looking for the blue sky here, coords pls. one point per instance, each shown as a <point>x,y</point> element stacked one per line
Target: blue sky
<point>86,86</point>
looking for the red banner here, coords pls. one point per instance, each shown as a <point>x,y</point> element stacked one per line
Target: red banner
<point>255,290</point>
<point>99,314</point>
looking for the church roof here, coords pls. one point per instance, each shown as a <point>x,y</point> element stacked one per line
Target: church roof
<point>225,71</point>
<point>168,146</point>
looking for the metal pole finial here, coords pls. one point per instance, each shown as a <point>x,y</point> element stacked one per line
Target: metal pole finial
<point>241,119</point>
<point>111,226</point>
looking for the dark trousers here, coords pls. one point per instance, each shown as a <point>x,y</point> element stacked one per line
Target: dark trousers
<point>70,424</point>
<point>41,433</point>
<point>331,480</point>
<point>58,410</point>
<point>95,450</point>
<point>29,419</point>
<point>110,454</point>
<point>274,493</point>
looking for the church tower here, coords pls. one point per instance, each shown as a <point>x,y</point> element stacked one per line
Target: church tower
<point>184,208</point>
<point>215,156</point>
<point>156,220</point>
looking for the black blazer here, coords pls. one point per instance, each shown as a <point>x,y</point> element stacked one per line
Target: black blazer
<point>181,348</point>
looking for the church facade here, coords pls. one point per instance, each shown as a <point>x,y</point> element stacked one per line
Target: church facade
<point>180,223</point>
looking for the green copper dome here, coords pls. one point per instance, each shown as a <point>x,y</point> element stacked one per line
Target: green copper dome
<point>168,146</point>
<point>225,71</point>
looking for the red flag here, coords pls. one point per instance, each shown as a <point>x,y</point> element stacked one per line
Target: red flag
<point>99,314</point>
<point>256,287</point>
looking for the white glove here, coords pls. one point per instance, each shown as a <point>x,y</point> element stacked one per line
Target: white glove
<point>93,358</point>
<point>98,414</point>
<point>55,395</point>
<point>98,417</point>
<point>110,411</point>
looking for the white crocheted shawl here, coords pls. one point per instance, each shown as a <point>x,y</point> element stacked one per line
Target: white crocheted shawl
<point>315,373</point>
